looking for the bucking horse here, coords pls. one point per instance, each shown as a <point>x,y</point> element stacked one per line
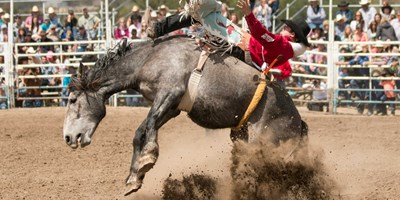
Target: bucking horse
<point>160,71</point>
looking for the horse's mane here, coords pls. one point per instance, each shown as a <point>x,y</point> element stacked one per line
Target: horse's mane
<point>92,81</point>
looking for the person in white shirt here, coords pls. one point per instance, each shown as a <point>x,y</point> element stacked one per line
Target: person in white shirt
<point>367,12</point>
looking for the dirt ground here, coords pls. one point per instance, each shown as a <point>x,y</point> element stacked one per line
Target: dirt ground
<point>359,153</point>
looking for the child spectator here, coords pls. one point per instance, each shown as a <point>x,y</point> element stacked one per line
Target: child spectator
<point>121,31</point>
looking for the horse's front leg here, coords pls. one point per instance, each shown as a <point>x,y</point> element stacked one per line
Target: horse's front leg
<point>145,146</point>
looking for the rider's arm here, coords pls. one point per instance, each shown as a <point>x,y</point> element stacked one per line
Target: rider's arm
<point>258,31</point>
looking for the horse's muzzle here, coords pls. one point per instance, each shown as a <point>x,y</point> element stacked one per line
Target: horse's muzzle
<point>74,142</point>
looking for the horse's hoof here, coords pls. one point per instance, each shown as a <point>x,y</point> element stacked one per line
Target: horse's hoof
<point>133,183</point>
<point>133,188</point>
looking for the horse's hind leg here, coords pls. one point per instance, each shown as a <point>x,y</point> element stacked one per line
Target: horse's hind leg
<point>145,144</point>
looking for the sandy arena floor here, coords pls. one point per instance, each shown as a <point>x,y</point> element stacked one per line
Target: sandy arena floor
<point>361,154</point>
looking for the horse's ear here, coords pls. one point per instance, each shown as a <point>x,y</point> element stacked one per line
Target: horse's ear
<point>81,70</point>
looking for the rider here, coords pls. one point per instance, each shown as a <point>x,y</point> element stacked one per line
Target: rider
<point>263,46</point>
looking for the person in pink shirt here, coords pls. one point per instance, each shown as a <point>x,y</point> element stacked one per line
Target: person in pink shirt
<point>121,31</point>
<point>34,14</point>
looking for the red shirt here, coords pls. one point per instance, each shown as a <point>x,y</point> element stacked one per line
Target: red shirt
<point>286,70</point>
<point>265,44</point>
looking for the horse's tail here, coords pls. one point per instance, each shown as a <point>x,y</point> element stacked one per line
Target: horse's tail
<point>304,129</point>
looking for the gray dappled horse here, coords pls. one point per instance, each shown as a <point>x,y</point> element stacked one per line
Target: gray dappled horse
<point>160,72</point>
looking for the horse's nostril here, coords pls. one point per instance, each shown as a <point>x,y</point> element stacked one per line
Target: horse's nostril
<point>68,139</point>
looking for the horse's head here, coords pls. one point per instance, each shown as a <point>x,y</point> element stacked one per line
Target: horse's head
<point>85,109</point>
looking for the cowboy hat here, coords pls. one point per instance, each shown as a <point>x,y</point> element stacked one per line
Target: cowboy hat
<point>1,10</point>
<point>340,17</point>
<point>35,9</point>
<point>343,4</point>
<point>378,44</point>
<point>6,16</point>
<point>387,7</point>
<point>50,10</point>
<point>364,2</point>
<point>30,50</point>
<point>135,8</point>
<point>163,7</point>
<point>358,49</point>
<point>300,28</point>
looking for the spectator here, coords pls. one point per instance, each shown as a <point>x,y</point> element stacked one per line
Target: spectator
<point>345,11</point>
<point>27,39</point>
<point>1,14</point>
<point>387,10</point>
<point>71,23</point>
<point>347,35</point>
<point>142,33</point>
<point>52,33</point>
<point>396,24</point>
<point>135,11</point>
<point>3,94</point>
<point>91,24</point>
<point>371,32</point>
<point>33,20</point>
<point>20,36</point>
<point>6,18</point>
<point>32,82</point>
<point>81,36</point>
<point>315,14</point>
<point>45,25</point>
<point>358,19</point>
<point>135,24</point>
<point>264,14</point>
<point>389,95</point>
<point>121,31</point>
<point>234,19</point>
<point>367,12</point>
<point>274,5</point>
<point>340,25</point>
<point>386,31</point>
<point>54,19</point>
<point>45,47</point>
<point>68,37</point>
<point>319,90</point>
<point>377,19</point>
<point>317,58</point>
<point>225,10</point>
<point>34,28</point>
<point>359,34</point>
<point>134,34</point>
<point>163,12</point>
<point>316,34</point>
<point>18,23</point>
<point>67,71</point>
